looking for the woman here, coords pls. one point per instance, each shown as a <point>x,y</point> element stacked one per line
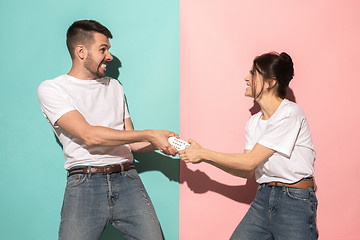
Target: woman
<point>279,150</point>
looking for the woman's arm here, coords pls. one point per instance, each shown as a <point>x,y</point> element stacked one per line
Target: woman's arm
<point>238,164</point>
<point>236,172</point>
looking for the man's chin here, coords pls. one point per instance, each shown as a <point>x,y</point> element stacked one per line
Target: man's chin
<point>101,75</point>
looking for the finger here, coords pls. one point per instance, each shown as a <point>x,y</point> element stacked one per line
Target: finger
<point>173,151</point>
<point>182,153</point>
<point>182,156</point>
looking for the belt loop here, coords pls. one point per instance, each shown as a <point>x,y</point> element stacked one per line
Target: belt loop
<point>283,186</point>
<point>314,184</point>
<point>89,170</point>
<point>122,169</point>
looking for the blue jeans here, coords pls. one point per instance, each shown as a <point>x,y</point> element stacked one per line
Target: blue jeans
<point>91,201</point>
<point>280,213</point>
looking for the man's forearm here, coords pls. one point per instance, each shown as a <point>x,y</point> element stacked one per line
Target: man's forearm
<point>97,135</point>
<point>141,147</point>
<point>74,123</point>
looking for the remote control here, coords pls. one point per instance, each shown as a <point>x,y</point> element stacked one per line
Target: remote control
<point>177,143</point>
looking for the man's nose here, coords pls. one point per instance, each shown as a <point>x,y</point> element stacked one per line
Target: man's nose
<point>109,57</point>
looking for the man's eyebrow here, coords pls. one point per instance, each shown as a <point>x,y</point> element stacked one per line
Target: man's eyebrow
<point>104,45</point>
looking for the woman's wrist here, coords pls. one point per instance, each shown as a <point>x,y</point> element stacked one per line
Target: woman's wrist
<point>205,155</point>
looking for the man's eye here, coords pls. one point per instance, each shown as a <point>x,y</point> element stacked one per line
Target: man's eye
<point>252,72</point>
<point>102,50</point>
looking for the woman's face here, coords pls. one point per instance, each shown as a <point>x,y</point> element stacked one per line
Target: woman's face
<point>254,83</point>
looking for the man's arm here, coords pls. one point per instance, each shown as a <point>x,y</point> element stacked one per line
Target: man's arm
<point>138,146</point>
<point>74,123</point>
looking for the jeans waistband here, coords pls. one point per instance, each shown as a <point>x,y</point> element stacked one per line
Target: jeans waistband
<point>105,169</point>
<point>304,183</point>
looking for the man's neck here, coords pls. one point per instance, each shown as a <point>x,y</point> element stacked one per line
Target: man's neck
<point>80,73</point>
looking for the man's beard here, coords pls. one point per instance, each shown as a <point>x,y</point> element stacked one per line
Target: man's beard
<point>91,66</point>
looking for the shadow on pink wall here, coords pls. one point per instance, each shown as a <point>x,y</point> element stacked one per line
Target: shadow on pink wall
<point>199,182</point>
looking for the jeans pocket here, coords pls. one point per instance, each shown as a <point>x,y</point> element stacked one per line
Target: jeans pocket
<point>300,194</point>
<point>76,180</point>
<point>132,173</point>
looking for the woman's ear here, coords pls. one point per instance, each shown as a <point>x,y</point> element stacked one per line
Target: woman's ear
<point>271,83</point>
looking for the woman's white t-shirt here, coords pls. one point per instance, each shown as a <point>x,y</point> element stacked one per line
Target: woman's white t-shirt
<point>287,133</point>
<point>101,102</point>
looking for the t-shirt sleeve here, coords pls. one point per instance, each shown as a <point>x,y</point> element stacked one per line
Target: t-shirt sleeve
<point>53,102</point>
<point>249,141</point>
<point>280,134</point>
<point>126,111</point>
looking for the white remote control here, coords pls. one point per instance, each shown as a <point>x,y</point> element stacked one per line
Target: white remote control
<point>177,143</point>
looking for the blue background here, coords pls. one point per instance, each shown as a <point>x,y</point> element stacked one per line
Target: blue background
<point>33,49</point>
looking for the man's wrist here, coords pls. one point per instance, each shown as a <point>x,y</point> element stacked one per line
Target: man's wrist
<point>148,136</point>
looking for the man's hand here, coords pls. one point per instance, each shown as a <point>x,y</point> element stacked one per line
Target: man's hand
<point>192,153</point>
<point>159,138</point>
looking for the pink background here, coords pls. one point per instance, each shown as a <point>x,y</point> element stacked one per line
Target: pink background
<point>218,41</point>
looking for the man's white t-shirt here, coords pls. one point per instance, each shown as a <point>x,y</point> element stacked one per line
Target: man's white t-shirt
<point>287,133</point>
<point>101,102</point>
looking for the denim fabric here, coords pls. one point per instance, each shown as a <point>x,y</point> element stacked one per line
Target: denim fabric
<point>280,213</point>
<point>93,201</point>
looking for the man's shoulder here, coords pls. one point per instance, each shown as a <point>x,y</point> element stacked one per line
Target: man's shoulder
<point>113,80</point>
<point>54,81</point>
<point>51,85</point>
<point>114,83</point>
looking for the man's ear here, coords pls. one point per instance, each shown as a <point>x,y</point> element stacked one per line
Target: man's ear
<point>81,52</point>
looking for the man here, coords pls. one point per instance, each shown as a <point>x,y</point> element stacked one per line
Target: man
<point>88,113</point>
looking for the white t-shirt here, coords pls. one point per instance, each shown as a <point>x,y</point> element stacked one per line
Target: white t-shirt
<point>287,133</point>
<point>101,102</point>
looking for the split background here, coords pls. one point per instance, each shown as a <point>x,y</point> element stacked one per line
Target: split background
<point>182,65</point>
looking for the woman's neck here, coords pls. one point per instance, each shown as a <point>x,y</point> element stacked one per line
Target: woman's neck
<point>269,105</point>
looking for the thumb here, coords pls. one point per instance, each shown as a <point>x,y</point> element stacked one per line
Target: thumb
<point>192,142</point>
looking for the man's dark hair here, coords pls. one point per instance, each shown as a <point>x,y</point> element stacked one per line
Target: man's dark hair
<point>81,32</point>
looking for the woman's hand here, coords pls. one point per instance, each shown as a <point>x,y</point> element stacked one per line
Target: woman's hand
<point>192,153</point>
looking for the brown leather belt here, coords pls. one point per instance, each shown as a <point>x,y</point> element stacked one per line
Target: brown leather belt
<point>303,184</point>
<point>106,169</point>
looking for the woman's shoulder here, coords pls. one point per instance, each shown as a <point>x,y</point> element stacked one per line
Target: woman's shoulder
<point>292,109</point>
<point>254,118</point>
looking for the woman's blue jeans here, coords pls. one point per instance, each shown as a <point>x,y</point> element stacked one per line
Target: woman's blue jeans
<point>92,201</point>
<point>280,213</point>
